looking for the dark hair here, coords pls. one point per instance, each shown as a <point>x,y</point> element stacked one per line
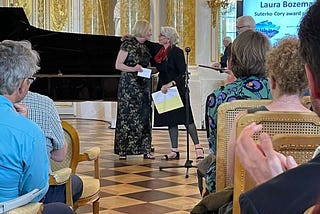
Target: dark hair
<point>309,35</point>
<point>248,54</point>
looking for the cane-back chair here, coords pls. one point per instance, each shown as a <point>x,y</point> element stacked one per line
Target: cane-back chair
<point>91,184</point>
<point>227,113</point>
<point>293,133</point>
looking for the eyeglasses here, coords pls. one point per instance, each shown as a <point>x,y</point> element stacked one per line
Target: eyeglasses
<point>31,79</point>
<point>160,35</point>
<point>238,28</point>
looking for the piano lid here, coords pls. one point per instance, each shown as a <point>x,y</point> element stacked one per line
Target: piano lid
<point>62,53</point>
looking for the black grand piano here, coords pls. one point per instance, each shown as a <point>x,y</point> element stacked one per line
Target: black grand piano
<point>74,67</point>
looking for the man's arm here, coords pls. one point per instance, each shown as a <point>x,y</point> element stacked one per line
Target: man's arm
<point>59,154</point>
<point>56,134</point>
<point>293,191</point>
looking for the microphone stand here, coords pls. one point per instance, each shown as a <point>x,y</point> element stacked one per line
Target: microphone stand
<point>188,163</point>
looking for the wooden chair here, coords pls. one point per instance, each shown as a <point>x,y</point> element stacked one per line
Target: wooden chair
<point>91,184</point>
<point>30,208</point>
<point>293,133</point>
<point>226,115</point>
<point>23,204</point>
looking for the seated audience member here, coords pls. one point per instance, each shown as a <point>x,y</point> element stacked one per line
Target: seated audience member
<point>288,81</point>
<point>245,23</point>
<point>247,61</point>
<point>41,110</point>
<point>24,164</point>
<point>291,189</point>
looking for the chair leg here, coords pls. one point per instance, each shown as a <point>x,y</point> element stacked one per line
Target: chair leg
<point>95,206</point>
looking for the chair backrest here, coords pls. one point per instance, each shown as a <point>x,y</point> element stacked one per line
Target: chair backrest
<point>72,139</point>
<point>226,115</point>
<point>293,133</point>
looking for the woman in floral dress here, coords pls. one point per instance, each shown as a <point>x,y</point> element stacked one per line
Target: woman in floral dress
<point>133,126</point>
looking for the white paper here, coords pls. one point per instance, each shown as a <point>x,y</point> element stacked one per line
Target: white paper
<point>146,73</point>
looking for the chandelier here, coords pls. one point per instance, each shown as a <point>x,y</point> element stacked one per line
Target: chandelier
<point>215,6</point>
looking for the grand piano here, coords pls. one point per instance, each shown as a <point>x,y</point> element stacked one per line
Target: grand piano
<point>74,67</point>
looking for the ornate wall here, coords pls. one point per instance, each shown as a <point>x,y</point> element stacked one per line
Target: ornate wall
<point>85,16</point>
<point>131,11</point>
<point>181,15</point>
<point>191,18</point>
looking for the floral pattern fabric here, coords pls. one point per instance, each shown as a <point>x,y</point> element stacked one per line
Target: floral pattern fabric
<point>133,126</point>
<point>244,88</point>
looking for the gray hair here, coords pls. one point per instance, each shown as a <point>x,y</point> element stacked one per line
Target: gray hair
<point>247,20</point>
<point>227,38</point>
<point>171,34</point>
<point>17,61</point>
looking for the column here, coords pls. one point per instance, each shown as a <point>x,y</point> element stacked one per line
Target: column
<point>181,15</point>
<point>96,19</point>
<point>131,11</point>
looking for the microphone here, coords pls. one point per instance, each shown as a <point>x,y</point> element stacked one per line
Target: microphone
<point>187,49</point>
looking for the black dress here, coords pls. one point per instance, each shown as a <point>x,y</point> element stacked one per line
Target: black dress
<point>173,68</point>
<point>133,126</point>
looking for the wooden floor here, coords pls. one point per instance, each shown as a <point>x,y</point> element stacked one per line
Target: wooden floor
<point>136,185</point>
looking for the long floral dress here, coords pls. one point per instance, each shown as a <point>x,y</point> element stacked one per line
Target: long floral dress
<point>133,126</point>
<point>244,88</point>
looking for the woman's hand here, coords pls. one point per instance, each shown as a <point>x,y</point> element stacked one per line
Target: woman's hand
<point>165,88</point>
<point>137,68</point>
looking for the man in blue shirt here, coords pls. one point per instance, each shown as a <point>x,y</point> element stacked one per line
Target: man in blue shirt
<point>24,164</point>
<point>42,110</point>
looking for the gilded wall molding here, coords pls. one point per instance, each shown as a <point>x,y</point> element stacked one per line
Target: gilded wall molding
<point>181,15</point>
<point>131,11</point>
<point>58,10</point>
<point>40,14</point>
<point>95,17</point>
<point>25,4</point>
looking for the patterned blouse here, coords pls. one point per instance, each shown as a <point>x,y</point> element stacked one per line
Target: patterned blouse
<point>244,88</point>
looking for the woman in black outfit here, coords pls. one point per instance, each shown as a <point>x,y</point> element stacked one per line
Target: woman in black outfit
<point>170,62</point>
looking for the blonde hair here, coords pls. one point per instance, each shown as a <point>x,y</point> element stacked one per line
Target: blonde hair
<point>141,28</point>
<point>285,64</point>
<point>171,34</point>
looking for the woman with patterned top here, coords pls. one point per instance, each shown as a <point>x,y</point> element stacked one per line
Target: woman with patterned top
<point>133,126</point>
<point>247,62</point>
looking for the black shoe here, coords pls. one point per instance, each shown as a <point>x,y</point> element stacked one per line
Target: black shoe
<point>148,156</point>
<point>172,156</point>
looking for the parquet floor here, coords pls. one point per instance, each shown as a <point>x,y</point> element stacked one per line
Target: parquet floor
<point>136,185</point>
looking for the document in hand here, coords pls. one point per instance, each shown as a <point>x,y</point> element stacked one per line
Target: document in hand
<point>167,102</point>
<point>146,73</point>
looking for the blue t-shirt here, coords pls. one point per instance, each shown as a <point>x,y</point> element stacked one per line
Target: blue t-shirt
<point>24,164</point>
